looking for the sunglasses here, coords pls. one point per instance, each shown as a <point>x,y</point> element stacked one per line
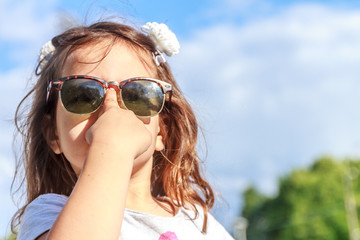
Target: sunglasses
<point>81,94</point>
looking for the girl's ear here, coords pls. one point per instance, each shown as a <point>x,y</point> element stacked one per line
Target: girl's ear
<point>50,134</point>
<point>159,145</point>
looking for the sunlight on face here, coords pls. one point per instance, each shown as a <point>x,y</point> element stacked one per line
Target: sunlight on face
<point>120,63</point>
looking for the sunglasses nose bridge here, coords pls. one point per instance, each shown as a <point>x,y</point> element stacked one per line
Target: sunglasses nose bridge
<point>114,85</point>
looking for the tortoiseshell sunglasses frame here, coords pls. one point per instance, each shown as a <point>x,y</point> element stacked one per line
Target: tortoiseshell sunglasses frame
<point>57,84</point>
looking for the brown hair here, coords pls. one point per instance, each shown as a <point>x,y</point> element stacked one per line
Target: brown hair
<point>176,171</point>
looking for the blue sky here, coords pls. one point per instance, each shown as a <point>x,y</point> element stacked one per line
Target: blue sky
<point>274,83</point>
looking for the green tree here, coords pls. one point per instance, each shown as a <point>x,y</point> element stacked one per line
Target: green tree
<point>10,237</point>
<point>309,204</point>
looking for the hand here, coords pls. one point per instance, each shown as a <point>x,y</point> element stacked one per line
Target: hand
<point>118,129</point>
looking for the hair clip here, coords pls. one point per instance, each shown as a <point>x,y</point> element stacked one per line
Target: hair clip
<point>163,38</point>
<point>158,58</point>
<point>45,54</point>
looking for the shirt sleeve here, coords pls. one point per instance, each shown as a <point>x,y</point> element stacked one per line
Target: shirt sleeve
<point>216,230</point>
<point>40,215</point>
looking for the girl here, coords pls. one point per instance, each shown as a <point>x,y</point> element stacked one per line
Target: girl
<point>109,142</point>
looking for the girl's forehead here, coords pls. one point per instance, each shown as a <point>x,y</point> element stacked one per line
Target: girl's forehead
<point>105,56</point>
<point>86,55</point>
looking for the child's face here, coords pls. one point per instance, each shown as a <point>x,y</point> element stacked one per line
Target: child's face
<point>121,63</point>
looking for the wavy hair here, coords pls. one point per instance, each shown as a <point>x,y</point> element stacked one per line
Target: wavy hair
<point>176,174</point>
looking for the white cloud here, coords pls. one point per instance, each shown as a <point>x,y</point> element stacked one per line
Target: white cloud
<point>6,168</point>
<point>25,20</point>
<point>14,83</point>
<point>25,25</point>
<point>282,88</point>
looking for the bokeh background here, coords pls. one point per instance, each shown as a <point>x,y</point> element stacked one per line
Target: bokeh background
<point>275,83</point>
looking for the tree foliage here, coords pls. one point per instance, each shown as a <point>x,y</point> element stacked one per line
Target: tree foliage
<point>10,237</point>
<point>309,204</point>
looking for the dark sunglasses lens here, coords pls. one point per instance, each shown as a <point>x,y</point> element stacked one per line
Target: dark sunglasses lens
<point>144,98</point>
<point>82,96</point>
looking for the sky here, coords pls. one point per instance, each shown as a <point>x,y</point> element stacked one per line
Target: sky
<point>275,84</point>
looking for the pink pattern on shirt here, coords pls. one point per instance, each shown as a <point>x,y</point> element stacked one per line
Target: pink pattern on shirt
<point>168,236</point>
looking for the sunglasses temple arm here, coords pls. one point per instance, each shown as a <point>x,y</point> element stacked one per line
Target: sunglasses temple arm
<point>52,84</point>
<point>169,102</point>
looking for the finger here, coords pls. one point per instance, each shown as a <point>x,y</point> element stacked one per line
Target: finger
<point>110,99</point>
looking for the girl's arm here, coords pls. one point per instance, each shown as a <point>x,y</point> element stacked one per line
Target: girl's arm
<point>96,205</point>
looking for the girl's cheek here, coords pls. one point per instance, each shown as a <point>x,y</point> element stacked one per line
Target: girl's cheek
<point>77,132</point>
<point>74,125</point>
<point>71,129</point>
<point>74,145</point>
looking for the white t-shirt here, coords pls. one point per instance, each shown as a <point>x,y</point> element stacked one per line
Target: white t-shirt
<point>40,215</point>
